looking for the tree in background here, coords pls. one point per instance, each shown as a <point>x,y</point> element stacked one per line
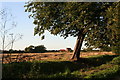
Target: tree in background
<point>35,49</point>
<point>108,38</point>
<point>113,18</point>
<point>68,19</point>
<point>29,49</point>
<point>40,49</point>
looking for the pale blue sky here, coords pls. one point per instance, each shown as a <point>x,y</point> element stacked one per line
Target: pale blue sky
<point>25,27</point>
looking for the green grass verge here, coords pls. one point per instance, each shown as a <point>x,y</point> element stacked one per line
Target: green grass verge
<point>106,66</point>
<point>108,70</point>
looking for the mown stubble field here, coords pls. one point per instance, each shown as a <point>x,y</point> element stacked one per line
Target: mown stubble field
<point>20,57</point>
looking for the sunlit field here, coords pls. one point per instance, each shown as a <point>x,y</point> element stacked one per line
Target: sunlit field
<point>20,57</point>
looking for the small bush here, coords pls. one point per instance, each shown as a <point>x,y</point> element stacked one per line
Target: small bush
<point>116,60</point>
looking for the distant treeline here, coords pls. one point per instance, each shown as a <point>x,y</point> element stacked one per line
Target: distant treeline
<point>23,51</point>
<point>13,51</point>
<point>42,49</point>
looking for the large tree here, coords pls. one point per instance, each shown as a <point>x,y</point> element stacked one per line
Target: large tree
<point>67,19</point>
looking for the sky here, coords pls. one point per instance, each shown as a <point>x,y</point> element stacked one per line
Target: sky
<point>26,28</point>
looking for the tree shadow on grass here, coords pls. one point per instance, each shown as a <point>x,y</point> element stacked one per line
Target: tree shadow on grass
<point>52,67</point>
<point>17,70</point>
<point>97,60</point>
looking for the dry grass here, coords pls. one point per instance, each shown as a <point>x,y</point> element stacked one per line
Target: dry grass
<point>20,57</point>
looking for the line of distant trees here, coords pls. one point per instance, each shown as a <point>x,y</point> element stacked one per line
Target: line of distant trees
<point>13,51</point>
<point>30,49</point>
<point>42,49</point>
<point>23,51</point>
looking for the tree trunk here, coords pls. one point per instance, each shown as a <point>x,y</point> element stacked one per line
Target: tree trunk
<point>77,49</point>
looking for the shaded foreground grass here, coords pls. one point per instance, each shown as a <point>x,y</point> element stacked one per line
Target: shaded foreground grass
<point>105,66</point>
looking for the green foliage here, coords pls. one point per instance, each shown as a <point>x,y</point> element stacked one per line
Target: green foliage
<point>36,49</point>
<point>113,25</point>
<point>105,48</point>
<point>108,37</point>
<point>29,49</point>
<point>40,48</point>
<point>11,50</point>
<point>89,49</point>
<point>66,19</point>
<point>15,70</point>
<point>116,60</point>
<point>116,49</point>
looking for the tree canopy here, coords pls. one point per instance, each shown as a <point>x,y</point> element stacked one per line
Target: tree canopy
<point>65,18</point>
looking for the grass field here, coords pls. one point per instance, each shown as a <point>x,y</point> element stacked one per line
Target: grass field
<point>20,57</point>
<point>103,67</point>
